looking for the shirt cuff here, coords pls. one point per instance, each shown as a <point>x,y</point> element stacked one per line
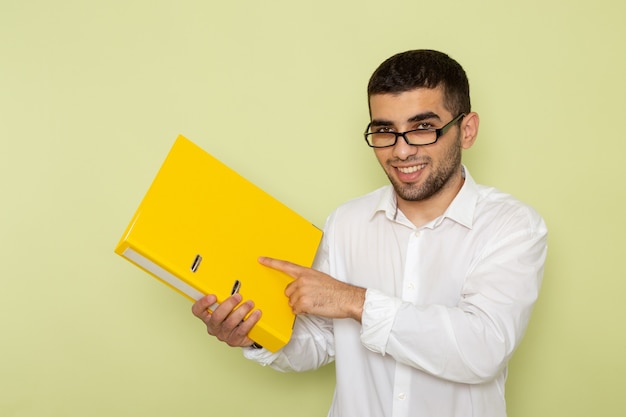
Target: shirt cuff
<point>262,356</point>
<point>379,313</point>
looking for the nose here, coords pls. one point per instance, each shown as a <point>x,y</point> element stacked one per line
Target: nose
<point>402,150</point>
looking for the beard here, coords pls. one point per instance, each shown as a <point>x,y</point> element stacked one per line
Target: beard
<point>436,181</point>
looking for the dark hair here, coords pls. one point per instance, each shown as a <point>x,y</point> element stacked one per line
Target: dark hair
<point>423,68</point>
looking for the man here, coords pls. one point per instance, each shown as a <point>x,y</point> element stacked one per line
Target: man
<point>421,290</point>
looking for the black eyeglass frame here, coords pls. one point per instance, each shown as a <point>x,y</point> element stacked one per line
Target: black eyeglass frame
<point>438,133</point>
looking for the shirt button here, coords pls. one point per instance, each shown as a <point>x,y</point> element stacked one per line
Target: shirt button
<point>417,233</point>
<point>411,286</point>
<point>402,396</point>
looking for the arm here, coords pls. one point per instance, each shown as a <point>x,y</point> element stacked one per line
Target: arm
<point>310,347</point>
<point>472,341</point>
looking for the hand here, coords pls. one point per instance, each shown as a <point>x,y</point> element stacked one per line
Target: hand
<point>314,292</point>
<point>227,322</point>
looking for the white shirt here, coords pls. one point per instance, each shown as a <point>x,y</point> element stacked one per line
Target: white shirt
<point>446,305</point>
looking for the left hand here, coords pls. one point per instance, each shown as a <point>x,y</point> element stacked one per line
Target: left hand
<point>228,323</point>
<point>314,292</point>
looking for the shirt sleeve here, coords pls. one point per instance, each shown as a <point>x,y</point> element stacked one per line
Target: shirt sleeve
<point>472,341</point>
<point>310,347</point>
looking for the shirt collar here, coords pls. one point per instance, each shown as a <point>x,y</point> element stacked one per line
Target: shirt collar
<point>387,203</point>
<point>461,210</point>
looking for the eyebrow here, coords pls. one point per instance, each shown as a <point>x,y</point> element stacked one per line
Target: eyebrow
<point>416,118</point>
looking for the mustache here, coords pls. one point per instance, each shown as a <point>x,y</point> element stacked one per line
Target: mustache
<point>412,159</point>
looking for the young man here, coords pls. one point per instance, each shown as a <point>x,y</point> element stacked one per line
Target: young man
<point>421,290</point>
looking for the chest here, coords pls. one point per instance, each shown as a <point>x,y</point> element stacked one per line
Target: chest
<point>424,266</point>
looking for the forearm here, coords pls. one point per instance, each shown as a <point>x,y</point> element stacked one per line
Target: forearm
<point>310,347</point>
<point>449,343</point>
<point>472,340</point>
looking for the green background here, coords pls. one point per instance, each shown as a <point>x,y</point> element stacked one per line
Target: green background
<point>93,94</point>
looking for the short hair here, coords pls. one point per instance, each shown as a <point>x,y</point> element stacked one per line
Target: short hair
<point>423,68</point>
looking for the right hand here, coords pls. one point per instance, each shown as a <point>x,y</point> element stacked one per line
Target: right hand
<point>227,322</point>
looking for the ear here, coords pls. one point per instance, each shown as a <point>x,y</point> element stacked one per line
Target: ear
<point>469,130</point>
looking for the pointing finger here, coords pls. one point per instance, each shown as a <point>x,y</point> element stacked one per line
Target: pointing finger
<point>283,266</point>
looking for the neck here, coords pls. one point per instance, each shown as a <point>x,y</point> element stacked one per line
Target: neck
<point>423,211</point>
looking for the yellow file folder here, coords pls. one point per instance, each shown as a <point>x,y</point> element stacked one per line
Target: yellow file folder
<point>201,227</point>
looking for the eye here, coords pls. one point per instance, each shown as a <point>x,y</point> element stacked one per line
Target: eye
<point>424,125</point>
<point>382,129</point>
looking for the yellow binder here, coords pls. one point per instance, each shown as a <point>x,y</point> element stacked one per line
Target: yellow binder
<point>201,227</point>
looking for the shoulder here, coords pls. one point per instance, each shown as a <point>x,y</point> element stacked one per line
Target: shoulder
<point>366,204</point>
<point>359,211</point>
<point>497,207</point>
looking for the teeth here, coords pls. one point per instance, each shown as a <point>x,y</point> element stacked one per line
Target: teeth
<point>410,170</point>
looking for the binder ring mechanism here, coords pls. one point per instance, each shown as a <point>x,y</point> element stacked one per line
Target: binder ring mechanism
<point>196,263</point>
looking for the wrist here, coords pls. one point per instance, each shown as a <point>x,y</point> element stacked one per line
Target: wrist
<point>356,306</point>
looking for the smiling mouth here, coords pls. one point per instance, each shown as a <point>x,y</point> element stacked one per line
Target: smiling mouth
<point>411,169</point>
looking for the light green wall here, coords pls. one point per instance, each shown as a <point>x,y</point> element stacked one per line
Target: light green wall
<point>92,95</point>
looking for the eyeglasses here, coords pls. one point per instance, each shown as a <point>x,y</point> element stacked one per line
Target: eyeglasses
<point>415,137</point>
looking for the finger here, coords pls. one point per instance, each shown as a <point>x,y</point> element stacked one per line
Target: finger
<point>239,335</point>
<point>226,308</point>
<point>296,303</point>
<point>215,320</point>
<point>238,315</point>
<point>228,316</point>
<point>234,330</point>
<point>200,307</point>
<point>292,287</point>
<point>288,268</point>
